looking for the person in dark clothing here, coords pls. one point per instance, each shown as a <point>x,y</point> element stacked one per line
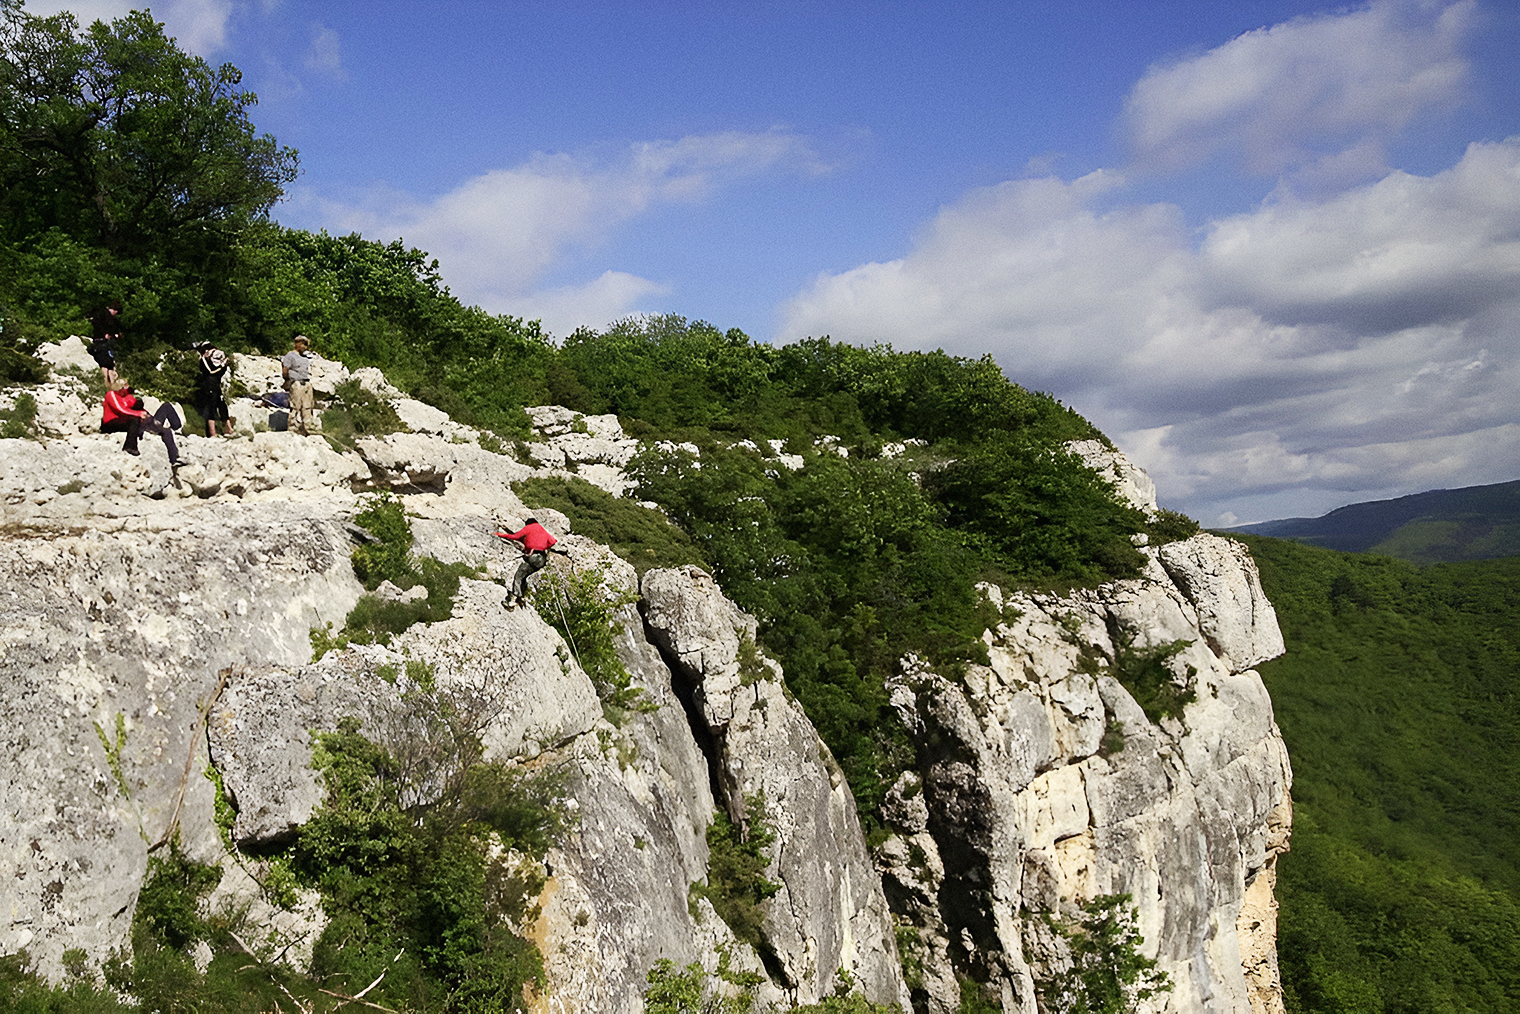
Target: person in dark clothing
<point>209,398</point>
<point>123,413</point>
<point>536,543</point>
<point>105,324</point>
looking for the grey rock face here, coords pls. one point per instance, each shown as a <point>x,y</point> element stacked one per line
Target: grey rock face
<point>112,639</point>
<point>1219,579</point>
<point>1128,479</point>
<point>830,912</point>
<point>1048,786</point>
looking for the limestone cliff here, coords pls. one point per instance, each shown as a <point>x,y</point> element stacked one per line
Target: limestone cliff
<point>155,631</point>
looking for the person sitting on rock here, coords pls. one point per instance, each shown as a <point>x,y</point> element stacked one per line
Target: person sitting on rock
<point>295,368</point>
<point>536,542</point>
<point>123,412</point>
<point>210,400</point>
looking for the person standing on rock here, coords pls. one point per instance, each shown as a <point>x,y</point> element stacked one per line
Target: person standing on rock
<point>211,401</point>
<point>123,412</point>
<point>536,543</point>
<point>296,369</point>
<point>105,325</point>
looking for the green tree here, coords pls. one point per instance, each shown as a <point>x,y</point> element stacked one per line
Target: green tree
<point>1107,974</point>
<point>123,140</point>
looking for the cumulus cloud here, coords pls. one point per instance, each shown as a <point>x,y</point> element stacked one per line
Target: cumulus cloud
<point>1320,94</point>
<point>200,26</point>
<point>1366,343</point>
<point>498,235</point>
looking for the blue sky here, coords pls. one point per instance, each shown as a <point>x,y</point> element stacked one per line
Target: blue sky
<point>1271,248</point>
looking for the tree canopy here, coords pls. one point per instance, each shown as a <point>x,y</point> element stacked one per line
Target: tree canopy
<point>120,139</point>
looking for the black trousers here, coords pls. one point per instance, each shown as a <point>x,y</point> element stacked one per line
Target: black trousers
<point>163,422</point>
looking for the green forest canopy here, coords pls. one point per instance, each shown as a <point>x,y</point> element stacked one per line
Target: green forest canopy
<point>1398,701</point>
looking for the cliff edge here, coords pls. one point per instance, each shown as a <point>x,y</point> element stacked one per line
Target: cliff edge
<point>158,658</point>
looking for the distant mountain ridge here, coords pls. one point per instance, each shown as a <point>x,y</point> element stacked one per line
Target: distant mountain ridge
<point>1439,526</point>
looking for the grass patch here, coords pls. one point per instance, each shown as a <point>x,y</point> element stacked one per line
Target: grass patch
<point>19,422</point>
<point>388,557</point>
<point>643,537</point>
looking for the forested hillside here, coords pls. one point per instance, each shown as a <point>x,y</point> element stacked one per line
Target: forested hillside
<point>1399,698</point>
<point>1437,526</point>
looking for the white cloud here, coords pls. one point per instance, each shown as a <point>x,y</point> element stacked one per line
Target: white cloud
<point>1323,92</point>
<point>200,26</point>
<point>325,53</point>
<point>1367,343</point>
<point>608,298</point>
<point>500,234</point>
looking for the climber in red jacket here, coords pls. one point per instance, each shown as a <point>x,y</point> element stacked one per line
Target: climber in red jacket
<point>123,412</point>
<point>536,544</point>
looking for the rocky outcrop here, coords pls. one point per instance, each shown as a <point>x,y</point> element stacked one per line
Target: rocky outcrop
<point>829,913</point>
<point>1046,785</point>
<point>157,633</point>
<point>164,635</point>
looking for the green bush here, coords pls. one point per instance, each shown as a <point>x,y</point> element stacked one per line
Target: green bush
<point>686,992</point>
<point>737,859</point>
<point>581,606</point>
<point>18,366</point>
<point>356,412</point>
<point>1170,526</point>
<point>388,557</point>
<point>375,621</point>
<point>23,992</point>
<point>20,421</point>
<point>1107,973</point>
<point>1041,513</point>
<point>1148,676</point>
<point>407,888</point>
<point>848,567</point>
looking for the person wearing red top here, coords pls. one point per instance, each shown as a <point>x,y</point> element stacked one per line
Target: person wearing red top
<point>536,542</point>
<point>123,412</point>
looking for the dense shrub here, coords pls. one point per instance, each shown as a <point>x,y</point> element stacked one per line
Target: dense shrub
<point>407,888</point>
<point>1041,513</point>
<point>356,412</point>
<point>387,556</point>
<point>1107,974</point>
<point>583,608</point>
<point>738,855</point>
